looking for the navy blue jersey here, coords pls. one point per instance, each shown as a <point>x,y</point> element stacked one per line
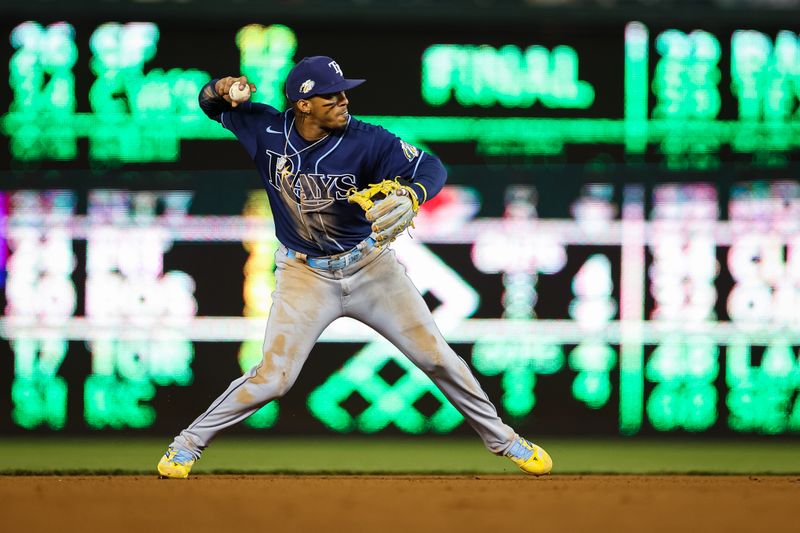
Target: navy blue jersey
<point>307,182</point>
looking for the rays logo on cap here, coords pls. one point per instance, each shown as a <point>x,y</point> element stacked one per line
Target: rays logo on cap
<point>306,87</point>
<point>336,68</point>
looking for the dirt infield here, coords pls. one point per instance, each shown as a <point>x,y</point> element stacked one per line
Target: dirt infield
<point>400,503</point>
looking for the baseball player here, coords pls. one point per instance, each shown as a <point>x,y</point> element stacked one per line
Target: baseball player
<point>340,191</point>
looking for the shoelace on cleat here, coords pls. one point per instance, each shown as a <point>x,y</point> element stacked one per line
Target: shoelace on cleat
<point>521,450</point>
<point>181,456</point>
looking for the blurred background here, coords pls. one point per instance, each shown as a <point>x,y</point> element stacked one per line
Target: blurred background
<point>616,253</point>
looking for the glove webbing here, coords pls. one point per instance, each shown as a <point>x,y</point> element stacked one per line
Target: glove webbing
<point>364,197</point>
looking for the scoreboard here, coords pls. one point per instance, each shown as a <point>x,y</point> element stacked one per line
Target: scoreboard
<point>617,250</point>
<point>109,93</point>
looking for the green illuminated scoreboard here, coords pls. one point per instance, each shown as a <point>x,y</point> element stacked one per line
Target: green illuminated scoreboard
<point>112,93</point>
<point>617,250</point>
<point>644,315</point>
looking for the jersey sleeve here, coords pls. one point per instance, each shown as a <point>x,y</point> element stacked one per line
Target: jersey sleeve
<point>397,158</point>
<point>244,120</point>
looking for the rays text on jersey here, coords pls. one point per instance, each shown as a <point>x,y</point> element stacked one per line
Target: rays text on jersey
<point>311,191</point>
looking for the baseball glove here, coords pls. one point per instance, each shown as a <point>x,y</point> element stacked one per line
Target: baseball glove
<point>390,205</point>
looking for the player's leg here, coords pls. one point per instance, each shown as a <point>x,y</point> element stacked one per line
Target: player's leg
<point>386,299</point>
<point>303,305</point>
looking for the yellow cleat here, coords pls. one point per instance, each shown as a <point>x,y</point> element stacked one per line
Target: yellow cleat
<point>175,464</point>
<point>531,459</point>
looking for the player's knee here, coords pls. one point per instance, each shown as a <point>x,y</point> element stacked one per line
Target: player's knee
<point>271,387</point>
<point>284,382</point>
<point>433,356</point>
<point>431,364</point>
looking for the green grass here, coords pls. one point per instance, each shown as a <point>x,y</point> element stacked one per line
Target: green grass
<point>346,455</point>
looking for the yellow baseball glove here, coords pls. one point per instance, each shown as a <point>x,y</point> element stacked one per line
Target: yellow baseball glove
<point>390,205</point>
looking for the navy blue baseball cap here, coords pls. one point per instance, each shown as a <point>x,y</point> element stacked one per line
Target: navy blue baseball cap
<point>316,75</point>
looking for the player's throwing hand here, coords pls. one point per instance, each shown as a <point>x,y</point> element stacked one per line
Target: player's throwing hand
<point>234,90</point>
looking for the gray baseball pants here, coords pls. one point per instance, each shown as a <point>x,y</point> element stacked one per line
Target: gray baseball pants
<point>374,290</point>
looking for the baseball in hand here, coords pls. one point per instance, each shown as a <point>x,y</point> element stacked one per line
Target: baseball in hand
<point>239,95</point>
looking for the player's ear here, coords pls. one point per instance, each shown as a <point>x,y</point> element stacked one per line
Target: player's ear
<point>304,106</point>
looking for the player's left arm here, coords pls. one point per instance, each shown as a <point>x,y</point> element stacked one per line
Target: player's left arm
<point>428,177</point>
<point>402,178</point>
<point>424,173</point>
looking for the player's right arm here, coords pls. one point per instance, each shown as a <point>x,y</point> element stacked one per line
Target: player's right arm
<point>244,119</point>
